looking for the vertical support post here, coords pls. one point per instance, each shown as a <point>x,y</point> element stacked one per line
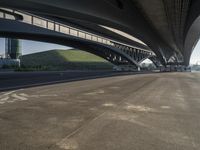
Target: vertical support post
<point>32,20</point>
<point>47,24</point>
<point>58,28</point>
<point>54,26</point>
<point>77,33</point>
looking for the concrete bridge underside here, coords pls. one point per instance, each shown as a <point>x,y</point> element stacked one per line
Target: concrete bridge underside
<point>25,31</point>
<point>116,53</point>
<point>170,28</point>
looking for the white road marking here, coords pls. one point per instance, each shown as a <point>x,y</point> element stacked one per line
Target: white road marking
<point>95,92</point>
<point>19,97</point>
<point>13,96</point>
<point>7,93</point>
<point>165,107</point>
<point>108,105</point>
<point>50,95</point>
<point>4,99</point>
<point>24,95</point>
<point>138,108</point>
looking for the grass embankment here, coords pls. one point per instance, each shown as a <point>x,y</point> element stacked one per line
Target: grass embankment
<point>63,60</point>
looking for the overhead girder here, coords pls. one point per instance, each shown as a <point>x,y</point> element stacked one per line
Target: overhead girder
<point>30,32</point>
<point>135,53</point>
<point>155,61</point>
<point>128,18</point>
<point>98,30</point>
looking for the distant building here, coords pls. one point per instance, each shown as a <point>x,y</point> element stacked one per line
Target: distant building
<point>13,48</point>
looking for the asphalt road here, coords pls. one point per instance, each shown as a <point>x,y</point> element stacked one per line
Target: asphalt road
<point>133,112</point>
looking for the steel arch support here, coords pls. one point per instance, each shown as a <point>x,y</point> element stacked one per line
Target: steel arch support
<point>26,31</point>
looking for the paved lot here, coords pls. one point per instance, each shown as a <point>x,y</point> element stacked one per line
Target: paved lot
<point>135,112</point>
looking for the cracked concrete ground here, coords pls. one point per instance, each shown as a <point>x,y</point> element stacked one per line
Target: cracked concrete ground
<point>134,112</point>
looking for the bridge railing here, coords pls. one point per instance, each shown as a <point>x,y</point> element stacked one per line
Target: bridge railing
<point>55,26</point>
<point>59,27</point>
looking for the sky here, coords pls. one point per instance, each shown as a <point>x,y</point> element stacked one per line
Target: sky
<point>195,57</point>
<point>29,47</point>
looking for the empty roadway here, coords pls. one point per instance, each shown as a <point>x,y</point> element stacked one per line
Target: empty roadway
<point>133,112</point>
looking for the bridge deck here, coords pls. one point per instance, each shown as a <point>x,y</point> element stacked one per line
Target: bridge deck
<point>157,111</point>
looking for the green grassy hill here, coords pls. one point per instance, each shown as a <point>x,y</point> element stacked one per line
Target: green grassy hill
<point>65,59</point>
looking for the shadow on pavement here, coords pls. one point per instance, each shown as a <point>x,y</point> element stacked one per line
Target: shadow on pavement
<point>14,81</point>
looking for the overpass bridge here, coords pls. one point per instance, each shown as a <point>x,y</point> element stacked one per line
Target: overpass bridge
<point>170,28</point>
<point>149,111</point>
<point>15,23</point>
